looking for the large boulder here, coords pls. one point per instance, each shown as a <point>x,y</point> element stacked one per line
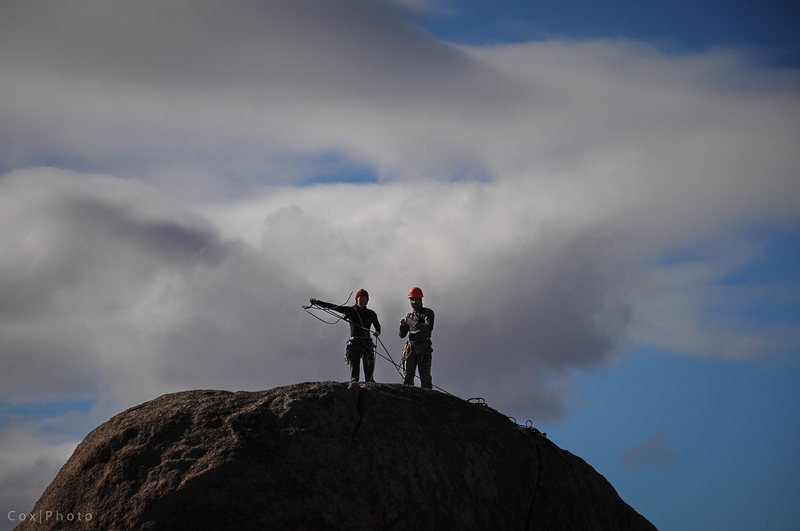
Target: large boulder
<point>324,456</point>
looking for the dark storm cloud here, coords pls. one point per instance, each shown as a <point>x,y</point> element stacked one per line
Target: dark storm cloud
<point>168,241</point>
<point>76,235</point>
<point>117,290</point>
<point>539,312</point>
<point>82,256</point>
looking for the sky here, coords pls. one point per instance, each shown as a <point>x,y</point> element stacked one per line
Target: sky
<point>600,201</point>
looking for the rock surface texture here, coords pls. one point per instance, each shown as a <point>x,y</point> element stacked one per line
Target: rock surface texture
<point>325,456</point>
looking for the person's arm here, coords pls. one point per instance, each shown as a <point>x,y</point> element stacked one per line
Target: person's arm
<point>404,327</point>
<point>376,324</point>
<point>430,316</point>
<point>329,305</point>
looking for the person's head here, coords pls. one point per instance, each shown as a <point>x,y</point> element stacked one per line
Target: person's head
<point>362,298</point>
<point>415,298</point>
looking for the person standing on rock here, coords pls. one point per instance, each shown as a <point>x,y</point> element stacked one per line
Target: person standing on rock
<point>418,350</point>
<point>359,347</point>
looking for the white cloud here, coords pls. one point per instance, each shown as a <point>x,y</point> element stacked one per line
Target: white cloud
<point>164,81</point>
<point>234,88</point>
<point>266,77</point>
<point>691,308</point>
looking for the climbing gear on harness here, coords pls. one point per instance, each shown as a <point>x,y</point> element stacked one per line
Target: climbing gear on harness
<point>424,350</point>
<point>359,347</point>
<point>408,349</point>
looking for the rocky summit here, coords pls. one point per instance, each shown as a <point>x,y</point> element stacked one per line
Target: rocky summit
<point>325,456</point>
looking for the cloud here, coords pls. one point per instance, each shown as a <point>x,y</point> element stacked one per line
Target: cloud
<point>698,303</point>
<point>245,79</point>
<point>243,86</point>
<point>655,452</point>
<point>81,257</point>
<point>106,282</point>
<point>111,282</point>
<point>122,284</point>
<point>28,463</point>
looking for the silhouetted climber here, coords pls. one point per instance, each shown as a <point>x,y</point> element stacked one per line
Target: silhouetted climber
<point>418,350</point>
<point>359,346</point>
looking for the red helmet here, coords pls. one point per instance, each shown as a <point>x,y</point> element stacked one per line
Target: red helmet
<point>362,292</point>
<point>415,293</point>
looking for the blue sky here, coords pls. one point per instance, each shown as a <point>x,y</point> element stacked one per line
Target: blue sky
<point>600,201</point>
<point>729,429</point>
<point>679,26</point>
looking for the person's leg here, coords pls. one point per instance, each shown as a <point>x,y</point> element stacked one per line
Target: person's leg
<point>425,372</point>
<point>368,358</point>
<point>355,369</point>
<point>353,358</point>
<point>410,366</point>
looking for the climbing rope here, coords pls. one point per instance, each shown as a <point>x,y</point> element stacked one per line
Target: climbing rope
<point>529,426</point>
<point>338,317</point>
<point>387,356</point>
<point>479,401</point>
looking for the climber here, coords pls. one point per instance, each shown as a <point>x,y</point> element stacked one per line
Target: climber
<point>359,346</point>
<point>418,349</point>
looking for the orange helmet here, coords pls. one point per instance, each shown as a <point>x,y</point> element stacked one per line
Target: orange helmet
<point>415,293</point>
